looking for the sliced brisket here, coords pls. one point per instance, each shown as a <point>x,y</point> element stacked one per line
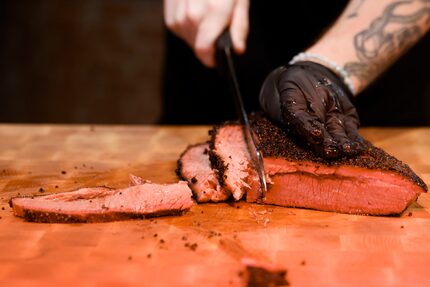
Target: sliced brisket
<point>194,167</point>
<point>101,204</point>
<point>231,160</point>
<point>373,183</point>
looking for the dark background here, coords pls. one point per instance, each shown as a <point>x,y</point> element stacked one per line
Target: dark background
<point>101,61</point>
<point>81,61</point>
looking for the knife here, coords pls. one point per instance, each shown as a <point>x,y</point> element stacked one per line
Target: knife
<point>226,67</point>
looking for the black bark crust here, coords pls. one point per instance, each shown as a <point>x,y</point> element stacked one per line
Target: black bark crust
<point>217,163</point>
<point>274,142</point>
<point>54,217</point>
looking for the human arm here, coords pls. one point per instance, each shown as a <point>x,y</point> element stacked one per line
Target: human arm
<point>200,22</point>
<point>370,35</point>
<point>314,100</point>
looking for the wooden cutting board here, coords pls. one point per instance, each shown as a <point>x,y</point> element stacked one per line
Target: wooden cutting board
<point>203,247</point>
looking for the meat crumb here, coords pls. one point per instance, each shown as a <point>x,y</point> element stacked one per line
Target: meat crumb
<point>2,208</point>
<point>184,238</point>
<point>41,189</point>
<point>155,235</point>
<point>186,244</point>
<point>213,234</point>
<point>56,186</point>
<point>149,255</point>
<point>143,237</point>
<point>193,246</point>
<point>130,258</point>
<point>162,241</point>
<point>63,172</point>
<point>410,214</point>
<point>402,226</point>
<point>303,263</point>
<point>201,212</point>
<point>194,180</point>
<point>0,217</point>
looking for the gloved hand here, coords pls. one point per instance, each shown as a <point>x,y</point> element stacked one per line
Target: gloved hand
<point>313,103</point>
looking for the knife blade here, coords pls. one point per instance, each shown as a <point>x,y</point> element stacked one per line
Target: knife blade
<point>226,66</point>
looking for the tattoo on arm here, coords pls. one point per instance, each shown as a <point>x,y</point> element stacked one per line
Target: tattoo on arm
<point>386,38</point>
<point>354,12</point>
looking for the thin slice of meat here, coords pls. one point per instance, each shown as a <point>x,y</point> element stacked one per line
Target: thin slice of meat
<point>231,160</point>
<point>100,204</point>
<point>194,167</point>
<point>373,183</point>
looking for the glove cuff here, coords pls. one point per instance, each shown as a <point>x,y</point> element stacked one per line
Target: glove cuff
<point>333,66</point>
<point>271,105</point>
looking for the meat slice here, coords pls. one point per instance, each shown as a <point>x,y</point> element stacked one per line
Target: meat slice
<point>100,204</point>
<point>373,183</point>
<point>231,160</point>
<point>194,167</point>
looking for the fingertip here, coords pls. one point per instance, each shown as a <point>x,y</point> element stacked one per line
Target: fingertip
<point>331,152</point>
<point>239,47</point>
<point>206,56</point>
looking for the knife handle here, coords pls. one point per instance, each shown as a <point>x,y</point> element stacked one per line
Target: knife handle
<point>224,40</point>
<point>223,45</point>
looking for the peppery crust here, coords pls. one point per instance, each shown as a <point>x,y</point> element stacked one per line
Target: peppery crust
<point>53,217</point>
<point>274,142</point>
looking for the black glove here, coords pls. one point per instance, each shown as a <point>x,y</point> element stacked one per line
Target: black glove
<point>313,103</point>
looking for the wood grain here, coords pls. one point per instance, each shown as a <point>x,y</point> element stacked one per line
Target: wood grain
<point>317,248</point>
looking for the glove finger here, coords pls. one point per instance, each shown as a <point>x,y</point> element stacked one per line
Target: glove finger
<point>299,118</point>
<point>351,126</point>
<point>312,132</point>
<point>270,99</point>
<point>335,125</point>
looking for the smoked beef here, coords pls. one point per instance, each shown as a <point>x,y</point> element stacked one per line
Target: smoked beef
<point>373,183</point>
<point>194,167</point>
<point>262,274</point>
<point>99,204</point>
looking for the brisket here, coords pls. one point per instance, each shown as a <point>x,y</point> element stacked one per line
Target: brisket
<point>100,204</point>
<point>194,167</point>
<point>373,183</point>
<point>231,160</point>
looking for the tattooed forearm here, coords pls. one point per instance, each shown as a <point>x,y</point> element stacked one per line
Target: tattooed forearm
<point>387,37</point>
<point>354,12</point>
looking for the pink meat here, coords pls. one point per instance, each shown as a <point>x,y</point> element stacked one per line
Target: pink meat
<point>100,204</point>
<point>194,167</point>
<point>232,161</point>
<point>373,183</point>
<point>344,189</point>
